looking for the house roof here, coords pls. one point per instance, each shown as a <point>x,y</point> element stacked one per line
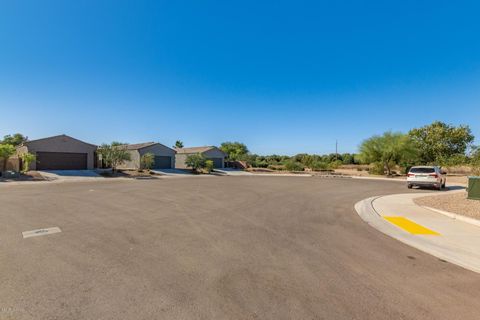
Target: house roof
<point>195,149</point>
<point>60,135</point>
<point>138,146</point>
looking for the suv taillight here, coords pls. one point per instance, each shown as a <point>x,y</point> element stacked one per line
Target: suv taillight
<point>433,175</point>
<point>410,175</point>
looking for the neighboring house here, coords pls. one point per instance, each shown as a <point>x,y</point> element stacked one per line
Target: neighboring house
<point>210,153</point>
<point>164,156</point>
<point>60,153</point>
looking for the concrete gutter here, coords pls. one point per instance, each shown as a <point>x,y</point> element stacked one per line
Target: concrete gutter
<point>458,242</point>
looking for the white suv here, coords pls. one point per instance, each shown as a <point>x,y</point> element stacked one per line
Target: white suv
<point>428,176</point>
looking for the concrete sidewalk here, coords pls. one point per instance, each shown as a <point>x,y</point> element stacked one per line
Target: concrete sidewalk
<point>442,236</point>
<point>232,172</point>
<point>70,175</point>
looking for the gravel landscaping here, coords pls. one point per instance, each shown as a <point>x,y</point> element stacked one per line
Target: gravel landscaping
<point>455,203</point>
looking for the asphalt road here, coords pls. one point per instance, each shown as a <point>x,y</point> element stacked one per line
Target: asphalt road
<point>216,248</point>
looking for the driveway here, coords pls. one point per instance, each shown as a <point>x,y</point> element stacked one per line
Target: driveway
<point>69,174</point>
<point>219,248</point>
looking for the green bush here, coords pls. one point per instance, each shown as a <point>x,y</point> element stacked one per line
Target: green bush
<point>377,168</point>
<point>195,161</point>
<point>27,159</point>
<point>276,167</point>
<point>319,165</point>
<point>209,166</point>
<point>454,160</point>
<point>335,164</point>
<point>294,166</point>
<point>147,161</point>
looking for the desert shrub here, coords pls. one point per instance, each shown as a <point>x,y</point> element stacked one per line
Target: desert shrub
<point>276,167</point>
<point>335,164</point>
<point>195,161</point>
<point>27,159</point>
<point>147,161</point>
<point>294,166</point>
<point>377,168</point>
<point>453,161</point>
<point>209,166</point>
<point>319,166</point>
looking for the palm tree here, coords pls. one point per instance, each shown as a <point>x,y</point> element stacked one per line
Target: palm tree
<point>178,144</point>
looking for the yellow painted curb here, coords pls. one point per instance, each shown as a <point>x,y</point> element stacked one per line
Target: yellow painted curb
<point>410,226</point>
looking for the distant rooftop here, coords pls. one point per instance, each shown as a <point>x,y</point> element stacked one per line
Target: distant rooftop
<point>194,149</point>
<point>137,146</point>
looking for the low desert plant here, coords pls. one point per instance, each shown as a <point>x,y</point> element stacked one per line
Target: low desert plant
<point>27,159</point>
<point>319,166</point>
<point>147,161</point>
<point>294,166</point>
<point>114,154</point>
<point>6,151</point>
<point>209,166</point>
<point>196,162</point>
<point>377,168</point>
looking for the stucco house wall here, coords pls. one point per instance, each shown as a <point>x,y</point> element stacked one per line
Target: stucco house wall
<point>136,155</point>
<point>133,163</point>
<point>61,143</point>
<point>213,152</point>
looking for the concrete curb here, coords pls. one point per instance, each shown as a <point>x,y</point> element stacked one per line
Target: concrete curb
<point>279,175</point>
<point>367,212</point>
<point>380,179</point>
<point>455,216</point>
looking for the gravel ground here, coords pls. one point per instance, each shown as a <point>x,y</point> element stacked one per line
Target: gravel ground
<point>456,203</point>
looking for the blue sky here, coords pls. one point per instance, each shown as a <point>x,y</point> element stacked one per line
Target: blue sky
<point>281,76</point>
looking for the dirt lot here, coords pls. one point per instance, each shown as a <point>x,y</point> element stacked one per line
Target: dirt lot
<point>218,248</point>
<point>455,203</point>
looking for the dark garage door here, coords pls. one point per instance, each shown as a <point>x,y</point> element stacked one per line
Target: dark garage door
<point>162,162</point>
<point>61,161</point>
<point>217,162</point>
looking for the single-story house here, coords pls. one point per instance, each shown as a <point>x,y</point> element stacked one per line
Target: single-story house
<point>209,152</point>
<point>164,156</point>
<point>60,153</point>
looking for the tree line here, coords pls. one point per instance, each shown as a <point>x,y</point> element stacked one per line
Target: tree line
<point>435,144</point>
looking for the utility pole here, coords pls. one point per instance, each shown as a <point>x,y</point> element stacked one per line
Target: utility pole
<point>336,150</point>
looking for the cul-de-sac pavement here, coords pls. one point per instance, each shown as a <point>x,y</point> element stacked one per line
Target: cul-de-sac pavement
<point>247,247</point>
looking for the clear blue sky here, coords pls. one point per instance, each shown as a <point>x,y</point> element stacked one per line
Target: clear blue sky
<point>282,77</point>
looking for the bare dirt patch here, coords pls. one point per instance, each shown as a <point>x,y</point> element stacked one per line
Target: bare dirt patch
<point>455,203</point>
<point>27,176</point>
<point>130,174</point>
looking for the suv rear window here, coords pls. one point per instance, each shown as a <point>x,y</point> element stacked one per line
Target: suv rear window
<point>422,170</point>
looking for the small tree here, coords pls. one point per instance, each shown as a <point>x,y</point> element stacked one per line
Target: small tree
<point>178,144</point>
<point>114,154</point>
<point>6,151</point>
<point>388,149</point>
<point>234,150</point>
<point>14,140</point>
<point>439,141</point>
<point>147,161</point>
<point>27,159</point>
<point>195,161</point>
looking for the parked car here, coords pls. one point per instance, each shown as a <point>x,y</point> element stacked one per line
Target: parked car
<point>427,176</point>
